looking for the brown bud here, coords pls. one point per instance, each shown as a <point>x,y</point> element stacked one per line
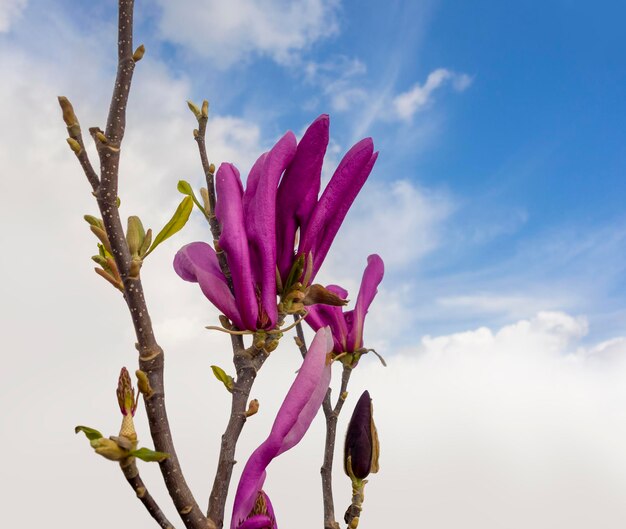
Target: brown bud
<point>253,408</point>
<point>139,52</point>
<point>318,294</point>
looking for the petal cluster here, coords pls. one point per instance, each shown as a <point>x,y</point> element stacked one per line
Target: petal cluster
<point>347,327</point>
<point>292,421</point>
<point>248,239</point>
<point>260,225</point>
<point>298,208</point>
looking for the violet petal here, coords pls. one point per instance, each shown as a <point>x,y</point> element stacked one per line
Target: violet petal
<point>298,410</point>
<point>336,200</point>
<point>260,222</point>
<point>298,191</point>
<point>372,276</point>
<point>233,240</point>
<point>197,262</point>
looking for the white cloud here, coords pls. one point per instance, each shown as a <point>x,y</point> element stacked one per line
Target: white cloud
<point>229,32</point>
<point>407,104</point>
<point>10,10</point>
<point>400,221</point>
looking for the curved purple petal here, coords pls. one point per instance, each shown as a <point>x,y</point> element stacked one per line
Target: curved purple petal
<point>336,200</point>
<point>260,222</point>
<point>372,276</point>
<point>298,191</point>
<point>233,240</point>
<point>298,410</point>
<point>321,315</point>
<point>197,262</point>
<point>258,521</point>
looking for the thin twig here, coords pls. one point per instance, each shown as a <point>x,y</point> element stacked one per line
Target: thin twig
<point>209,175</point>
<point>332,414</point>
<point>151,357</point>
<point>131,473</point>
<point>247,361</point>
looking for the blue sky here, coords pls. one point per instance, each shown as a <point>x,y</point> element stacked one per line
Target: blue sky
<point>497,204</point>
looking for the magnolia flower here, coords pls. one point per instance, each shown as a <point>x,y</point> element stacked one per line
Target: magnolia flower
<point>248,220</point>
<point>252,508</point>
<point>298,207</point>
<point>347,327</point>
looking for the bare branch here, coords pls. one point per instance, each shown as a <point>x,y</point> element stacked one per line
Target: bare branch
<point>209,174</point>
<point>131,473</point>
<point>74,132</point>
<point>151,357</point>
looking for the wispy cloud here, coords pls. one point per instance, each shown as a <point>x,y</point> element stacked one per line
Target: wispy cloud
<point>228,32</point>
<point>10,10</point>
<point>407,104</point>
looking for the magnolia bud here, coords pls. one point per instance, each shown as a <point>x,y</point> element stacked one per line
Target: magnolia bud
<point>361,448</point>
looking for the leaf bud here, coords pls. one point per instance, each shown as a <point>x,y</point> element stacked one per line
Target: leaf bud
<point>253,407</point>
<point>143,384</point>
<point>135,235</point>
<point>109,449</point>
<point>68,111</point>
<point>139,52</point>
<point>74,145</point>
<point>205,109</point>
<point>196,111</point>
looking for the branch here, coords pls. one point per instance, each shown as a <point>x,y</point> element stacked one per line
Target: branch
<point>209,174</point>
<point>331,414</point>
<point>247,361</point>
<point>131,473</point>
<point>247,364</point>
<point>151,357</point>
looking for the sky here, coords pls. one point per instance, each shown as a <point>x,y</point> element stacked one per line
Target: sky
<point>496,203</point>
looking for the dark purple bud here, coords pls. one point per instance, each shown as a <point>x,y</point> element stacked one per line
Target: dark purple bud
<point>361,448</point>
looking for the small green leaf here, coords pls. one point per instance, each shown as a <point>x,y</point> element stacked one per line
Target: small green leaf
<point>145,454</point>
<point>176,223</point>
<point>89,432</point>
<point>225,379</point>
<point>185,188</point>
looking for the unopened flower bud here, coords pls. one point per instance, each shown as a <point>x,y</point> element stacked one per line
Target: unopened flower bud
<point>126,393</point>
<point>361,448</point>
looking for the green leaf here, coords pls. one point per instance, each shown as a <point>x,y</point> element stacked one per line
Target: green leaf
<point>176,223</point>
<point>145,454</point>
<point>225,379</point>
<point>89,432</point>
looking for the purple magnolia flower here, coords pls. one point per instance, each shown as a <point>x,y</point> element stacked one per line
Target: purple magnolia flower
<point>347,327</point>
<point>248,221</point>
<point>252,508</point>
<point>297,203</point>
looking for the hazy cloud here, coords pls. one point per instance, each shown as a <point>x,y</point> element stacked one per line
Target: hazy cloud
<point>229,32</point>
